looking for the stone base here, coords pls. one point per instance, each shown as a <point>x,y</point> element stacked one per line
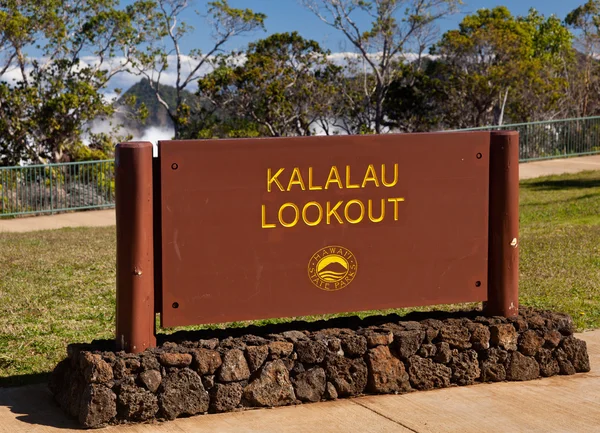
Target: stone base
<point>220,371</point>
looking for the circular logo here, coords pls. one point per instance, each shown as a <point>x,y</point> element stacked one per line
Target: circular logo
<point>332,268</point>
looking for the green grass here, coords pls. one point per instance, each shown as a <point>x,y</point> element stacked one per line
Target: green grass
<point>57,287</point>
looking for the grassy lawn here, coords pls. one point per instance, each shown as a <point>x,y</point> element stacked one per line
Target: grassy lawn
<point>57,287</point>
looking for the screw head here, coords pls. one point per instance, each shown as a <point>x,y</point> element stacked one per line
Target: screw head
<point>477,283</point>
<point>174,166</point>
<point>175,304</point>
<point>479,156</point>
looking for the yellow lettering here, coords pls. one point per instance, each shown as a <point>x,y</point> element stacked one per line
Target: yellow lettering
<point>332,211</point>
<point>304,211</point>
<point>312,187</point>
<point>348,184</point>
<point>264,219</point>
<point>347,213</point>
<point>333,173</point>
<point>296,217</point>
<point>395,181</point>
<point>296,179</point>
<point>396,200</point>
<point>273,179</point>
<point>370,176</point>
<point>373,219</point>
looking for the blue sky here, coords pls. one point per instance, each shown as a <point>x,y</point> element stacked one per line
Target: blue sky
<point>289,15</point>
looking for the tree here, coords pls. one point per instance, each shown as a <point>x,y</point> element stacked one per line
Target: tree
<point>397,27</point>
<point>282,85</point>
<point>47,102</point>
<point>165,49</point>
<point>496,64</point>
<point>584,79</point>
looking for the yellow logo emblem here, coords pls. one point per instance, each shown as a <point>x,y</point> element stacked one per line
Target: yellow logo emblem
<point>332,268</point>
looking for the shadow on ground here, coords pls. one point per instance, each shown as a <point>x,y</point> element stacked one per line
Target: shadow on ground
<point>24,379</point>
<point>558,184</point>
<point>34,404</point>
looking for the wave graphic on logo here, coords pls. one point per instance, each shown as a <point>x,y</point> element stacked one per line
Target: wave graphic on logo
<point>332,269</point>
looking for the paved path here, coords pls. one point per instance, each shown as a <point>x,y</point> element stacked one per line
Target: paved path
<point>107,217</point>
<point>533,169</point>
<point>560,404</point>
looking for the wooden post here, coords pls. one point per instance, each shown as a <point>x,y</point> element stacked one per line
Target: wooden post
<point>135,327</point>
<point>503,253</point>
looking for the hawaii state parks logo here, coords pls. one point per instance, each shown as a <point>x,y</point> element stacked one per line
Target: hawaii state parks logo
<point>332,268</point>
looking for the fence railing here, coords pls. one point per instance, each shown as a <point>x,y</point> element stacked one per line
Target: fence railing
<point>38,189</point>
<point>554,138</point>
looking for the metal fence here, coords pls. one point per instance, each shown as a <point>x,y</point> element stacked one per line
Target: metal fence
<point>38,189</point>
<point>554,138</point>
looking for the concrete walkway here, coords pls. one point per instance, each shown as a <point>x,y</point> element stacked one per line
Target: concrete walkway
<point>107,217</point>
<point>533,169</point>
<point>565,404</point>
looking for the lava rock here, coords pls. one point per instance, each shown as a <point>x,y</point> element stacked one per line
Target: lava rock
<point>548,364</point>
<point>407,343</point>
<point>425,374</point>
<point>272,387</point>
<point>354,345</point>
<point>178,360</point>
<point>256,356</point>
<point>311,351</point>
<point>522,367</point>
<point>95,369</point>
<point>330,392</point>
<point>136,404</point>
<point>504,336</point>
<point>209,381</point>
<point>480,335</point>
<point>443,353</point>
<point>552,339</point>
<point>182,393</point>
<point>234,367</point>
<point>349,376</point>
<point>576,351</point>
<point>294,336</point>
<point>427,351</point>
<point>565,366</point>
<point>465,368</point>
<point>98,406</point>
<point>226,396</point>
<point>280,349</point>
<point>492,372</point>
<point>457,336</point>
<point>310,385</point>
<point>151,379</point>
<point>206,361</point>
<point>378,337</point>
<point>149,362</point>
<point>530,343</point>
<point>386,373</point>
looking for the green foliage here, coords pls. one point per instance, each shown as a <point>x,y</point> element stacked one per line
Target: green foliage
<point>45,113</point>
<point>280,89</point>
<point>226,23</point>
<point>498,65</point>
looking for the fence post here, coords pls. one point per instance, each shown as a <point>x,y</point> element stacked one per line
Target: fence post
<point>135,327</point>
<point>503,252</point>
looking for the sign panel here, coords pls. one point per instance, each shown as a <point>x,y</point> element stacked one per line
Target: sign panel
<point>265,228</point>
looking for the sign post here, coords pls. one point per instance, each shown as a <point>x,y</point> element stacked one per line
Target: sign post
<point>135,262</point>
<point>503,259</point>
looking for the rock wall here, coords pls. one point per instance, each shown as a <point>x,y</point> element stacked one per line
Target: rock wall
<point>265,369</point>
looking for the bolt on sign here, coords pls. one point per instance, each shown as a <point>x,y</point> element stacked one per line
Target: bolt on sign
<point>216,231</point>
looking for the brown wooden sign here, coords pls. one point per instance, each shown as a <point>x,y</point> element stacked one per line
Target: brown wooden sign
<point>266,228</point>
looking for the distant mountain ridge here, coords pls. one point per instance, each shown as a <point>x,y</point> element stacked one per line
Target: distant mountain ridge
<point>158,117</point>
